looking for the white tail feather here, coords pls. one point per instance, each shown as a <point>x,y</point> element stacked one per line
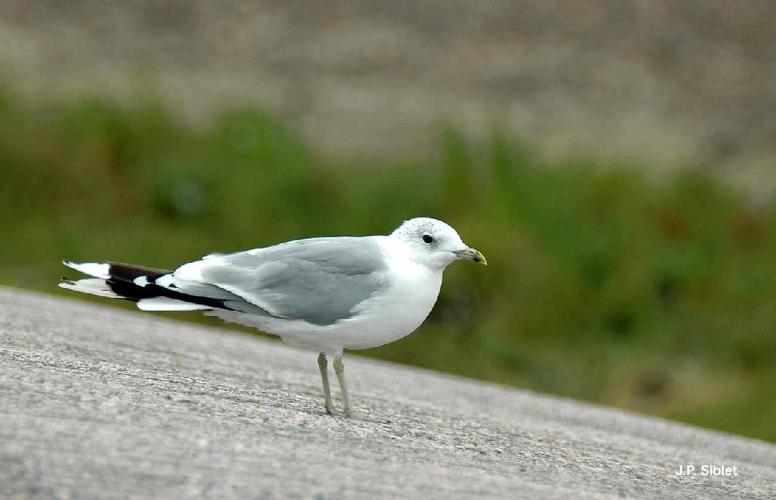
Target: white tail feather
<point>96,269</point>
<point>98,286</point>
<point>168,304</point>
<point>93,286</point>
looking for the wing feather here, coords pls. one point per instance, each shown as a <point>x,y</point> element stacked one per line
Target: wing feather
<point>319,280</point>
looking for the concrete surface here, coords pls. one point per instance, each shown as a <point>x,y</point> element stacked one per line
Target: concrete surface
<point>97,402</point>
<point>666,83</point>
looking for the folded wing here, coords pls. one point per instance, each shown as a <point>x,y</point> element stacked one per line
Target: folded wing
<point>318,280</point>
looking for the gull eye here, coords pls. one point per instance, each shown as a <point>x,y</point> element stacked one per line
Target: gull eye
<point>427,238</point>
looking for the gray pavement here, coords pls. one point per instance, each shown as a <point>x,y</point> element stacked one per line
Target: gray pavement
<point>100,402</point>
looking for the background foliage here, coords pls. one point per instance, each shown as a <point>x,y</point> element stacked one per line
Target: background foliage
<point>651,294</point>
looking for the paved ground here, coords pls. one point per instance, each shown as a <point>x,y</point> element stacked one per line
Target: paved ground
<point>98,402</point>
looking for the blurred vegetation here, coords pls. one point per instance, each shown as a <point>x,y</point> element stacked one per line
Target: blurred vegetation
<point>655,295</point>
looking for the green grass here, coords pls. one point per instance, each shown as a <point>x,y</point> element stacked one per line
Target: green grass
<point>651,294</point>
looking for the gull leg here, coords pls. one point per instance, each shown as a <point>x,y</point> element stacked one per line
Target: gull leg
<point>339,369</point>
<point>323,365</point>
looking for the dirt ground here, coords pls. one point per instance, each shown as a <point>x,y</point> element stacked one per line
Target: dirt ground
<point>667,84</point>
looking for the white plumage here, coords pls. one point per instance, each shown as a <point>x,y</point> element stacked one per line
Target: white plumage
<point>324,294</point>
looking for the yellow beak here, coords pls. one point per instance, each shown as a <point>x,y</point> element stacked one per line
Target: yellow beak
<point>473,255</point>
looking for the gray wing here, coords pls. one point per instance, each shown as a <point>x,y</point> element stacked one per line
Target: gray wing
<point>319,280</point>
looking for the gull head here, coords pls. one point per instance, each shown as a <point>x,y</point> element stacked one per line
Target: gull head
<point>434,243</point>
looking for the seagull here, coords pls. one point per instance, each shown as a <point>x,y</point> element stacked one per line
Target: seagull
<point>325,294</point>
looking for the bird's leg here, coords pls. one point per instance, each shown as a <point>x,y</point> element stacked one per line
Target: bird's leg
<point>339,369</point>
<point>323,365</point>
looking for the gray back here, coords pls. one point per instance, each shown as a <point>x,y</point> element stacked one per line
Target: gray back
<point>319,280</point>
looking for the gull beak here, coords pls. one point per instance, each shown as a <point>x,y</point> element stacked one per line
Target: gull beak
<point>473,255</point>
